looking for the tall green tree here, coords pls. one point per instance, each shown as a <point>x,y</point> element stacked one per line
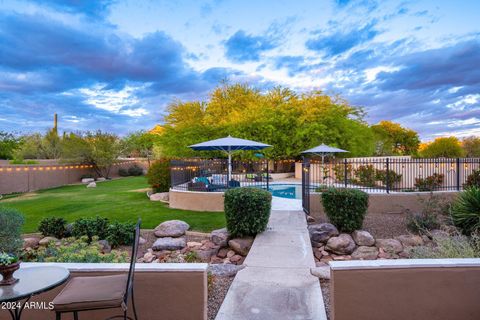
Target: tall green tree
<point>9,143</point>
<point>447,147</point>
<point>471,146</point>
<point>140,144</point>
<point>393,139</point>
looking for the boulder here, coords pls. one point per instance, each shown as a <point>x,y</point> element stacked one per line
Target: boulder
<point>365,253</point>
<point>193,244</point>
<point>101,179</point>
<point>169,243</point>
<point>87,180</point>
<point>149,257</point>
<point>343,244</point>
<point>31,242</point>
<point>224,270</point>
<point>216,260</point>
<point>104,246</point>
<point>241,245</point>
<point>363,238</point>
<point>320,233</point>
<point>222,253</point>
<point>171,228</point>
<point>206,255</point>
<point>92,185</point>
<point>220,237</point>
<point>409,240</point>
<point>45,241</point>
<point>322,272</point>
<point>236,258</point>
<point>162,196</point>
<point>389,245</point>
<point>141,240</point>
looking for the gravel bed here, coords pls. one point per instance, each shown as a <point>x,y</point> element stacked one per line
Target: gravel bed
<point>325,285</point>
<point>387,225</point>
<point>217,290</point>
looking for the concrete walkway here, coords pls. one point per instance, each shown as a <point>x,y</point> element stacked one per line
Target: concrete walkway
<point>276,283</point>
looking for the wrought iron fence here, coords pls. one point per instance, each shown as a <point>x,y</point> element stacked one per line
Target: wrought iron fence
<point>211,175</point>
<point>401,174</point>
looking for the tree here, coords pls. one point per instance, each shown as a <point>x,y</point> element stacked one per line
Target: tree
<point>471,146</point>
<point>9,143</point>
<point>98,149</point>
<point>30,148</point>
<point>447,147</point>
<point>140,144</point>
<point>51,145</point>
<point>393,139</point>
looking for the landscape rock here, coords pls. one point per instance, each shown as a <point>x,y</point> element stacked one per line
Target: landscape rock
<point>241,245</point>
<point>389,245</point>
<point>206,255</point>
<point>322,272</point>
<point>320,233</point>
<point>161,196</point>
<point>216,260</point>
<point>31,242</point>
<point>409,240</point>
<point>363,238</point>
<point>101,179</point>
<point>171,228</point>
<point>104,246</point>
<point>343,244</point>
<point>220,237</point>
<point>224,270</point>
<point>365,253</point>
<point>236,258</point>
<point>141,240</point>
<point>87,180</point>
<point>222,253</point>
<point>193,244</point>
<point>149,257</point>
<point>169,243</point>
<point>45,241</point>
<point>92,185</point>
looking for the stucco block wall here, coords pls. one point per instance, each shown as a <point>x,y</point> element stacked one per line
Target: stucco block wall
<point>196,201</point>
<point>400,293</point>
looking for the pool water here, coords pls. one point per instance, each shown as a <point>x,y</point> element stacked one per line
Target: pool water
<point>289,191</point>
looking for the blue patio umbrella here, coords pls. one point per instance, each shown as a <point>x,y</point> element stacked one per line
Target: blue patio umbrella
<point>229,145</point>
<point>323,150</point>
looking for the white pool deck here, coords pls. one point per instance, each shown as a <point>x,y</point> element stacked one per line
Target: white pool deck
<point>276,283</point>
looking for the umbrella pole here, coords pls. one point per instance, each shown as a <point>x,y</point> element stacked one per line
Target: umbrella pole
<point>229,172</point>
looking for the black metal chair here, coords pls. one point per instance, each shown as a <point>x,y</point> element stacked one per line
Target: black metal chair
<point>102,292</point>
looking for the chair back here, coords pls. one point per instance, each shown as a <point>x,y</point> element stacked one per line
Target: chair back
<point>133,260</point>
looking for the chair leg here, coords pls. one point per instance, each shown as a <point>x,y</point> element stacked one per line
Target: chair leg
<point>75,315</point>
<point>133,306</point>
<point>58,316</point>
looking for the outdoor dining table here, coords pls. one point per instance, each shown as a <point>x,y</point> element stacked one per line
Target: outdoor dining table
<point>31,281</point>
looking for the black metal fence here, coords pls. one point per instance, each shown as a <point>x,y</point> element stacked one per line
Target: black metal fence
<point>396,174</point>
<point>211,175</point>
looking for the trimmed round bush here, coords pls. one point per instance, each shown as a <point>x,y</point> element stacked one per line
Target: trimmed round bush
<point>120,233</point>
<point>158,175</point>
<point>11,223</point>
<point>345,208</point>
<point>135,170</point>
<point>122,172</point>
<point>90,227</point>
<point>466,211</point>
<point>247,211</point>
<point>53,226</point>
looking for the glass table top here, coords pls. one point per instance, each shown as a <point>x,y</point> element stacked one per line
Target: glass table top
<point>33,280</point>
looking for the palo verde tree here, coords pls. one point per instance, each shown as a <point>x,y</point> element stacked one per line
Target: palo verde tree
<point>393,139</point>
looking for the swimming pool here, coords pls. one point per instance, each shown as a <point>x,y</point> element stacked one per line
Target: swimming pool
<point>289,191</point>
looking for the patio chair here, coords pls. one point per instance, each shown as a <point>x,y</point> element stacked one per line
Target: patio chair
<point>101,292</point>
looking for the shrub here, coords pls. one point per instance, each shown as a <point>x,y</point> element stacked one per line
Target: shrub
<point>430,183</point>
<point>473,179</point>
<point>158,175</point>
<point>135,170</point>
<point>120,233</point>
<point>77,250</point>
<point>391,180</point>
<point>457,246</point>
<point>53,226</point>
<point>339,171</point>
<point>366,175</point>
<point>466,211</point>
<point>90,227</point>
<point>122,172</point>
<point>345,208</point>
<point>11,223</point>
<point>247,210</point>
<point>422,222</point>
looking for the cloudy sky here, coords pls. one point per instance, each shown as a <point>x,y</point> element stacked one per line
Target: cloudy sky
<point>115,65</point>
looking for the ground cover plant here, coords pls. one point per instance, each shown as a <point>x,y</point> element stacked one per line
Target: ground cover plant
<point>122,200</point>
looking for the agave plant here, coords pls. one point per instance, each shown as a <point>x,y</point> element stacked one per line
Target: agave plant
<point>466,211</point>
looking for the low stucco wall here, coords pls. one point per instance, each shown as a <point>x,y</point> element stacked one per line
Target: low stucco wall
<point>162,291</point>
<point>196,201</point>
<point>382,203</point>
<point>405,289</point>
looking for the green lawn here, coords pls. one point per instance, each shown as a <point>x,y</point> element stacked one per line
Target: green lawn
<point>119,200</point>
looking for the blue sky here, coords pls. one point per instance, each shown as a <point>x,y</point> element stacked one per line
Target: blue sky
<point>115,65</point>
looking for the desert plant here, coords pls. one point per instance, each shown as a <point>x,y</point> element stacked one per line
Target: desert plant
<point>422,222</point>
<point>120,233</point>
<point>90,227</point>
<point>466,211</point>
<point>122,172</point>
<point>447,247</point>
<point>473,179</point>
<point>135,170</point>
<point>11,223</point>
<point>365,175</point>
<point>247,210</point>
<point>78,250</point>
<point>345,208</point>
<point>53,226</point>
<point>430,183</point>
<point>158,175</point>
